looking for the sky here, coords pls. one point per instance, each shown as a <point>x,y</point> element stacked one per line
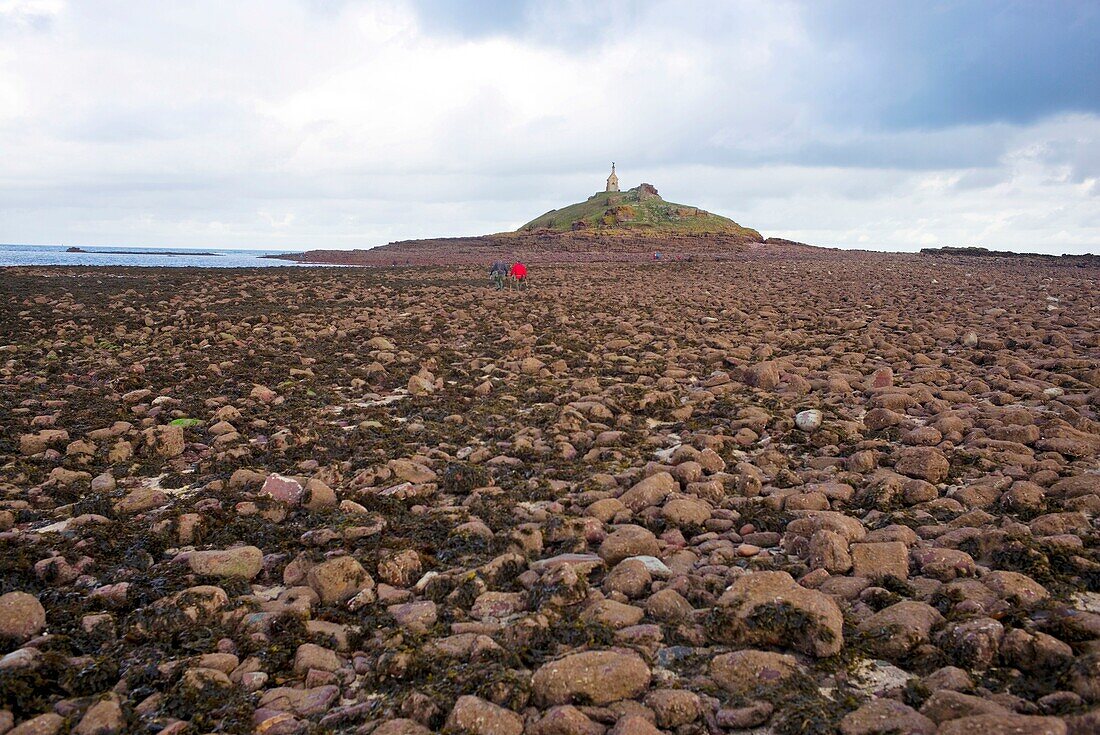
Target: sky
<point>298,124</point>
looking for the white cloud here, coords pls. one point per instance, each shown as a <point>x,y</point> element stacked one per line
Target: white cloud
<point>283,125</point>
<point>23,14</point>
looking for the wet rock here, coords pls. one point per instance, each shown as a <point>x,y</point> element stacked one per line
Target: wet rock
<point>41,441</point>
<point>674,707</point>
<point>244,562</point>
<point>401,726</point>
<point>47,724</point>
<point>596,677</point>
<point>474,716</point>
<point>973,643</point>
<point>1003,725</point>
<point>633,725</point>
<point>770,608</point>
<point>743,718</point>
<point>895,631</point>
<point>102,718</point>
<point>748,672</point>
<point>283,489</point>
<point>416,617</point>
<point>948,705</point>
<point>649,492</point>
<point>339,579</point>
<point>883,716</point>
<point>21,616</point>
<point>924,463</point>
<point>764,375</point>
<point>627,541</point>
<point>878,560</point>
<point>165,441</point>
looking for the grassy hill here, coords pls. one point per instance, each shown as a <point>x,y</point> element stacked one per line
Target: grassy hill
<point>636,210</point>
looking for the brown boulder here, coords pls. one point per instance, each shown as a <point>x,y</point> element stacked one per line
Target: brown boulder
<point>21,616</point>
<point>893,632</point>
<point>947,705</point>
<point>566,720</point>
<point>771,609</point>
<point>591,677</point>
<point>626,541</point>
<point>886,717</point>
<point>764,375</point>
<point>743,673</point>
<point>924,463</point>
<point>878,560</point>
<point>241,561</point>
<point>165,441</point>
<point>339,579</point>
<point>1003,725</point>
<point>649,492</point>
<point>474,716</point>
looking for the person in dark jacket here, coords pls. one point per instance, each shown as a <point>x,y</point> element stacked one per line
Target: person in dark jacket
<point>497,273</point>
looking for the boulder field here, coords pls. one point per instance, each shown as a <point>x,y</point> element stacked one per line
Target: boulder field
<point>812,492</point>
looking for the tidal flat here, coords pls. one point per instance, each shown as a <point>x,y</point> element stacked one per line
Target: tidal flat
<point>808,493</point>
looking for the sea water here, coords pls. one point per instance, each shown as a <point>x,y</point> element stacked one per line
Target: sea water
<point>35,255</point>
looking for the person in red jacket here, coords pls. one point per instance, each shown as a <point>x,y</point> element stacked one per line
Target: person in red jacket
<point>519,274</point>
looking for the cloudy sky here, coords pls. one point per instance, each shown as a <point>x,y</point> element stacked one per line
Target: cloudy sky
<point>297,124</point>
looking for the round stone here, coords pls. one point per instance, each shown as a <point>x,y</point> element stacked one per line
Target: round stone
<point>21,616</point>
<point>809,420</point>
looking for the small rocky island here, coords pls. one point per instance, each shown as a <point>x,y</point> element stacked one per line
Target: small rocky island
<point>611,225</point>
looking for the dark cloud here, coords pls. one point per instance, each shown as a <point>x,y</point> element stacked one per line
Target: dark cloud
<point>936,64</point>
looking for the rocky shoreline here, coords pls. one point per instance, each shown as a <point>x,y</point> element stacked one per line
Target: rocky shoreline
<point>796,491</point>
<point>547,247</point>
<point>1087,260</point>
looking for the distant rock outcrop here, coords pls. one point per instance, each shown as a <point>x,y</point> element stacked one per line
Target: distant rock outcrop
<point>973,251</point>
